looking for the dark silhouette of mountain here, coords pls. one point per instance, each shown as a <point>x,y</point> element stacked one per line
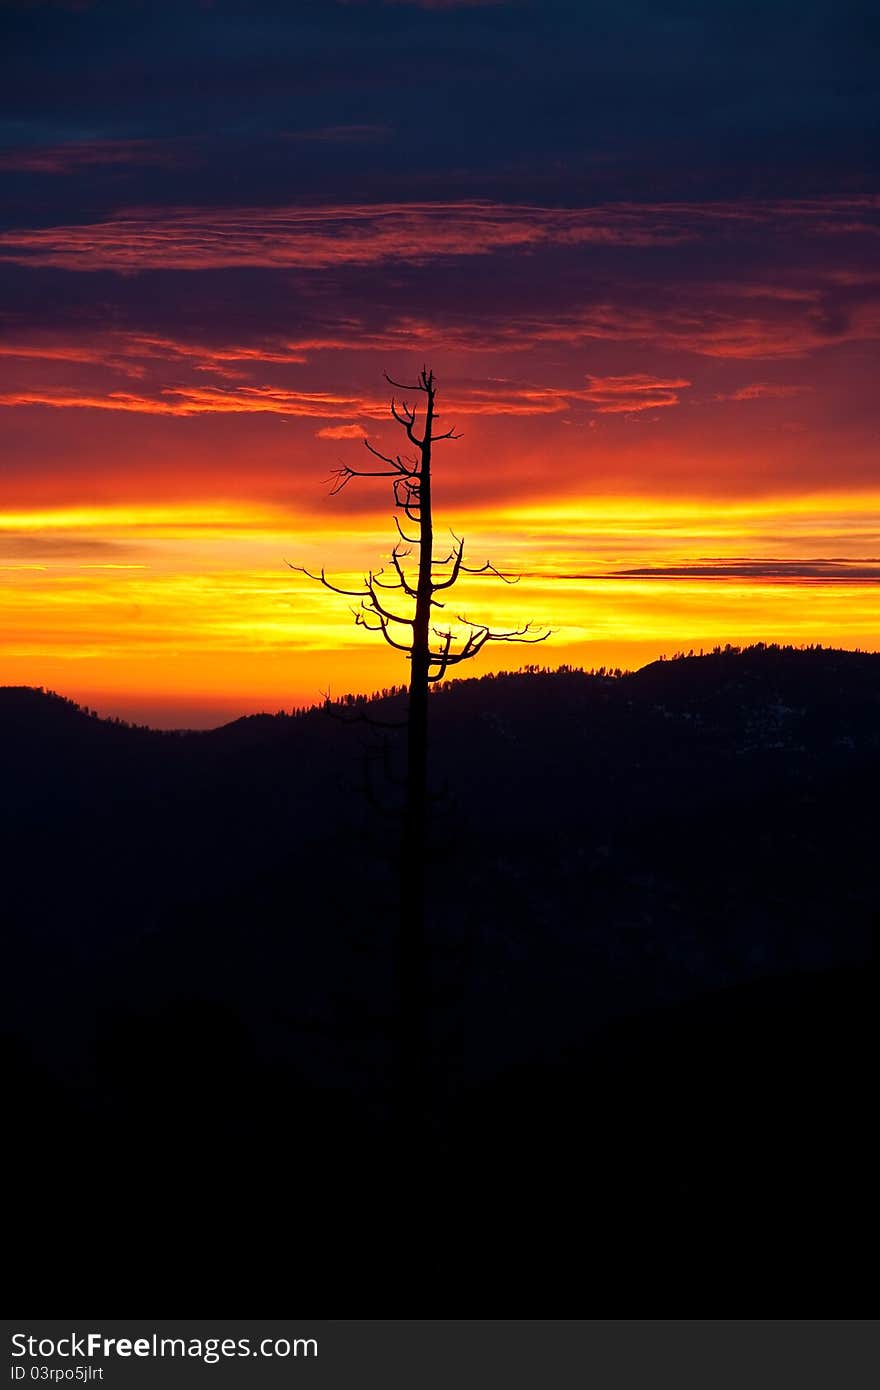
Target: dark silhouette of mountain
<point>652,905</point>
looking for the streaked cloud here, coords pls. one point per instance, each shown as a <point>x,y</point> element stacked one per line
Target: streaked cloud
<point>769,570</point>
<point>75,155</point>
<point>614,395</point>
<point>764,390</point>
<point>341,432</point>
<point>320,237</point>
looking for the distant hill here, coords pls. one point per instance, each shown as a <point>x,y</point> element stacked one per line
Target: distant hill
<point>701,820</point>
<point>652,897</point>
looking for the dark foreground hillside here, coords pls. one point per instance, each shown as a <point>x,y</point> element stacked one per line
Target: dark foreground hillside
<point>652,906</point>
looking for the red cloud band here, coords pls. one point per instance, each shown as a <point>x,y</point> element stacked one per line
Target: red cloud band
<point>203,239</point>
<point>614,395</point>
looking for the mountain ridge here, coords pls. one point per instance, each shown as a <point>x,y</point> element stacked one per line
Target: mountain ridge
<point>691,673</point>
<point>652,902</point>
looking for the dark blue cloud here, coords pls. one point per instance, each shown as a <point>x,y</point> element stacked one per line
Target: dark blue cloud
<point>558,100</point>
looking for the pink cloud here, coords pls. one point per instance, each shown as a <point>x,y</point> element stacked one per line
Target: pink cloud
<point>763,390</point>
<point>133,353</point>
<point>615,395</point>
<point>496,399</point>
<point>80,154</point>
<point>719,329</point>
<point>340,432</point>
<point>202,400</point>
<point>320,237</point>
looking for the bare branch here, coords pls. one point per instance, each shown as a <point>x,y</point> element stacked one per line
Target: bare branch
<point>394,584</point>
<point>345,474</point>
<point>380,609</point>
<point>407,587</point>
<point>490,569</point>
<point>440,659</point>
<point>358,717</point>
<point>421,385</point>
<point>381,626</point>
<point>473,644</point>
<point>410,540</point>
<point>456,558</point>
<point>406,493</point>
<point>397,464</point>
<point>406,417</point>
<point>334,588</point>
<point>526,633</point>
<point>342,476</point>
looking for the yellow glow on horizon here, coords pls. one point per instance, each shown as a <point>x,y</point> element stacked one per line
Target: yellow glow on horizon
<point>194,601</point>
<point>141,516</point>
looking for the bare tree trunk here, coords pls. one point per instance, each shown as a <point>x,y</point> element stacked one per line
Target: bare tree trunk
<point>411,480</point>
<point>411,982</point>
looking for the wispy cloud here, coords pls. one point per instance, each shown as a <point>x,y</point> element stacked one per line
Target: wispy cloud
<point>764,390</point>
<point>614,395</point>
<point>64,549</point>
<point>196,400</point>
<point>321,237</point>
<point>825,571</point>
<point>317,238</point>
<point>716,323</point>
<point>72,156</point>
<point>105,351</point>
<point>715,331</point>
<point>503,400</point>
<point>340,432</point>
<point>705,325</point>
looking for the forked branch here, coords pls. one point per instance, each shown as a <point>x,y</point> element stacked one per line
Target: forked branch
<point>412,498</point>
<point>322,579</point>
<point>456,557</point>
<point>476,639</point>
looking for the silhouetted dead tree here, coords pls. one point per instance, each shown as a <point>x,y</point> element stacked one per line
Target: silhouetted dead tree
<point>400,602</point>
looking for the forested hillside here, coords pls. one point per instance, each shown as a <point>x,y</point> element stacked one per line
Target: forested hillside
<point>651,899</point>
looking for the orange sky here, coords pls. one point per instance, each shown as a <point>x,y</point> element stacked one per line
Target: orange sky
<point>637,245</point>
<point>188,613</point>
<point>686,391</point>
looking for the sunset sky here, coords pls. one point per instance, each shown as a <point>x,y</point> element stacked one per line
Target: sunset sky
<point>637,242</point>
